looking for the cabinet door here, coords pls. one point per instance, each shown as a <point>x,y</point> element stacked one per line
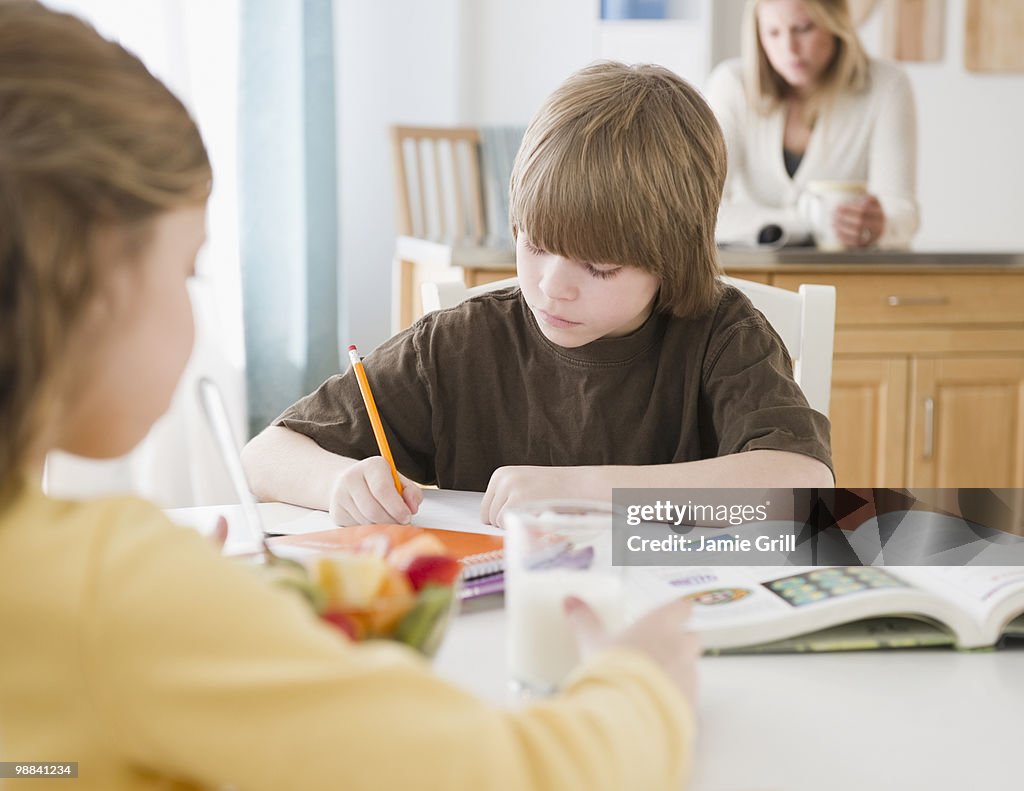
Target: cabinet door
<point>967,422</point>
<point>868,412</point>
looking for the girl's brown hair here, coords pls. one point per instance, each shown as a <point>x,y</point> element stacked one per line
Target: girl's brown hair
<point>847,71</point>
<point>90,142</point>
<point>625,165</point>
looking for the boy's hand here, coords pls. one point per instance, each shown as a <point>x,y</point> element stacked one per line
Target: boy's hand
<point>365,494</point>
<point>662,635</point>
<point>512,486</point>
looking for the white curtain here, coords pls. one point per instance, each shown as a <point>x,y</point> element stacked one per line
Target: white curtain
<point>192,45</point>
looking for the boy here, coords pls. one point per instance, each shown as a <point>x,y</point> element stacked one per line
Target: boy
<point>621,360</point>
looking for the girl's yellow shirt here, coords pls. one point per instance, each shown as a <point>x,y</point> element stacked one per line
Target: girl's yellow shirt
<point>131,646</point>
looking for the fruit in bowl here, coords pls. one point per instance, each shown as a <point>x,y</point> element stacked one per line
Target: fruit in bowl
<point>399,585</point>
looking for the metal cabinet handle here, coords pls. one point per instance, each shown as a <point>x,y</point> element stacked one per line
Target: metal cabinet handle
<point>896,301</point>
<point>929,427</point>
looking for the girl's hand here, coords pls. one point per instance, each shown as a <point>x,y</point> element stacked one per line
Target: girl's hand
<point>859,223</point>
<point>365,494</point>
<point>662,635</point>
<point>220,533</point>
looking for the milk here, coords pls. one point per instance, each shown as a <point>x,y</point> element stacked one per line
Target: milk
<point>541,646</point>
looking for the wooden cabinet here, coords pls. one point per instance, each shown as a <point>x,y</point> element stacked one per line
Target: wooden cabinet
<point>966,422</point>
<point>928,376</point>
<point>869,419</point>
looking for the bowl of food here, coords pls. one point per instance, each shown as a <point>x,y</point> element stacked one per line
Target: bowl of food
<point>400,586</point>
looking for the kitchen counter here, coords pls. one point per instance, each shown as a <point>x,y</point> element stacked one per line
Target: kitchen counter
<point>892,261</point>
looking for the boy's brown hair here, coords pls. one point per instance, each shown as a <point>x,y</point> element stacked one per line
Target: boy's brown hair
<point>625,165</point>
<point>92,148</point>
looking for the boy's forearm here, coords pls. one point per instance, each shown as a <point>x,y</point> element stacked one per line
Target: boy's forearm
<point>751,469</point>
<point>285,466</point>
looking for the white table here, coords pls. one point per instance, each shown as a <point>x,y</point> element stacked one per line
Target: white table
<point>919,719</point>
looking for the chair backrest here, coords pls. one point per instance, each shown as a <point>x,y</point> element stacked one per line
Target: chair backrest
<point>804,319</point>
<point>806,322</point>
<point>438,193</point>
<point>438,296</point>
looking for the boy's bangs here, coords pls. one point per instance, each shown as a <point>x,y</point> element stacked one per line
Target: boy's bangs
<point>575,207</point>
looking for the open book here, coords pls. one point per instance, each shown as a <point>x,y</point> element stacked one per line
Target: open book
<point>789,609</point>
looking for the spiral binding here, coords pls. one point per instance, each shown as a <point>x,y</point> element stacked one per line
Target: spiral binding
<point>483,563</point>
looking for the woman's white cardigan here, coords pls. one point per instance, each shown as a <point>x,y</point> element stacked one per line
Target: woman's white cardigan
<point>869,136</point>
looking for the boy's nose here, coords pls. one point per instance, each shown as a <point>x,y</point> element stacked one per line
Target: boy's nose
<point>558,280</point>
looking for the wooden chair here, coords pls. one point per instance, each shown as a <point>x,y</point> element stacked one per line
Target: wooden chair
<point>804,319</point>
<point>440,214</point>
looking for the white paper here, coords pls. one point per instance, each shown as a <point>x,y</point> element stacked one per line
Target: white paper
<point>445,509</point>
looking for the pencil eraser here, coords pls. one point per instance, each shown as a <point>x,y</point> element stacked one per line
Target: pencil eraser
<point>352,348</point>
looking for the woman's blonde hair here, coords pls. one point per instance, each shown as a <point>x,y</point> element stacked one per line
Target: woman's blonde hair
<point>847,71</point>
<point>90,142</point>
<point>625,165</point>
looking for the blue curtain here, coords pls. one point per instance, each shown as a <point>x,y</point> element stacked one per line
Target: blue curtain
<point>289,204</point>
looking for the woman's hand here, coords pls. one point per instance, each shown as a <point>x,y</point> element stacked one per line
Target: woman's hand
<point>859,223</point>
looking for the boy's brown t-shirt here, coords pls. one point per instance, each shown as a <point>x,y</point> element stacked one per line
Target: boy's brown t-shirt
<point>478,386</point>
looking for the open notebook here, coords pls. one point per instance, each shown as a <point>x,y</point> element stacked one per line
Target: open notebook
<point>451,516</point>
<point>442,508</point>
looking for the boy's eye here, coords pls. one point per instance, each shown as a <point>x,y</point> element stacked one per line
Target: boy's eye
<point>532,248</point>
<point>602,273</point>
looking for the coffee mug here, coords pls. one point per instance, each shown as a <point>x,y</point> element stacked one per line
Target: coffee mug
<point>818,203</point>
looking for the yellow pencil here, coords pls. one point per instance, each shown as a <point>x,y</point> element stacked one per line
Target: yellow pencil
<point>371,407</point>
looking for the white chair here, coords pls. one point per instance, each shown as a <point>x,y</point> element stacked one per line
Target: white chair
<point>804,319</point>
<point>438,296</point>
<point>806,322</point>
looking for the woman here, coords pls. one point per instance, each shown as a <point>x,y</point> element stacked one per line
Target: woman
<point>804,104</point>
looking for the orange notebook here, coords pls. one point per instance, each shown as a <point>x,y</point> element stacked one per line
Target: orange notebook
<point>480,554</point>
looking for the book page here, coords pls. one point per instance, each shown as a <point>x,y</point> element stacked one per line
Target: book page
<point>989,593</point>
<point>737,606</point>
<point>746,593</point>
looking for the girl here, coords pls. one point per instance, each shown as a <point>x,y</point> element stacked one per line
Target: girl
<point>131,646</point>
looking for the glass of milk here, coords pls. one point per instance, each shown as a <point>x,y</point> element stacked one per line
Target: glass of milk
<point>556,549</point>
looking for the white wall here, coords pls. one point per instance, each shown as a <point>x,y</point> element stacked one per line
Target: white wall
<point>971,147</point>
<point>398,62</point>
<point>494,62</point>
<point>518,51</point>
<point>971,126</point>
